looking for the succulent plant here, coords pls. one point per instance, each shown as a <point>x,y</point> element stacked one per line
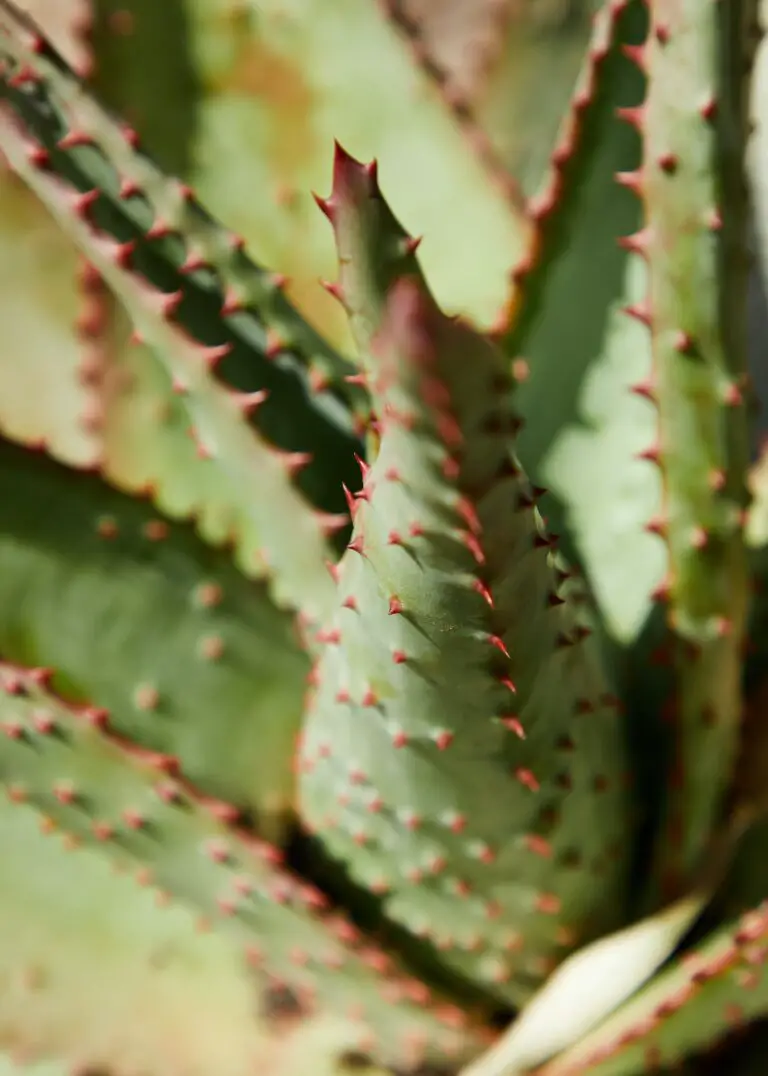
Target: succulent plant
<point>382,667</point>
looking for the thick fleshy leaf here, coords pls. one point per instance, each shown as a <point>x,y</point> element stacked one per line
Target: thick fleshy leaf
<point>455,667</point>
<point>137,425</point>
<point>137,615</point>
<point>693,190</point>
<point>97,971</point>
<point>569,330</point>
<point>595,469</point>
<point>294,538</point>
<point>135,808</point>
<point>42,398</point>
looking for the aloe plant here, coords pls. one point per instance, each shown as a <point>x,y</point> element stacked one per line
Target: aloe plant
<point>381,683</point>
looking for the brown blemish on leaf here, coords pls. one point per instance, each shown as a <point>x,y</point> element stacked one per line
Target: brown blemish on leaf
<point>291,148</point>
<point>259,71</point>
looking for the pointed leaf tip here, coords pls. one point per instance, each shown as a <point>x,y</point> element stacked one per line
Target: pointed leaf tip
<point>348,171</point>
<point>342,157</point>
<point>343,161</point>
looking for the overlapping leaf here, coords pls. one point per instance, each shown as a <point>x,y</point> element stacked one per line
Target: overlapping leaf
<point>137,810</point>
<point>462,754</point>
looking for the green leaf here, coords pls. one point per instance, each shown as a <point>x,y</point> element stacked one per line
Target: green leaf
<point>43,398</point>
<point>293,536</point>
<point>138,425</point>
<point>480,786</point>
<point>594,468</point>
<point>568,333</point>
<point>693,190</point>
<point>96,970</point>
<point>135,614</point>
<point>138,811</point>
